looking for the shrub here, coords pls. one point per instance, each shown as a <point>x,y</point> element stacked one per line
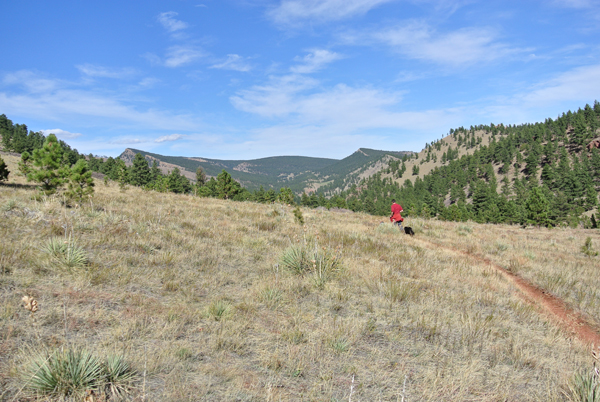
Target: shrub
<point>588,249</point>
<point>3,170</point>
<point>298,215</point>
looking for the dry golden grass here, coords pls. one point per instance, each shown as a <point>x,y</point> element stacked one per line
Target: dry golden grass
<point>191,290</point>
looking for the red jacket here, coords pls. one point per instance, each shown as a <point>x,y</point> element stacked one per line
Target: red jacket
<point>396,217</point>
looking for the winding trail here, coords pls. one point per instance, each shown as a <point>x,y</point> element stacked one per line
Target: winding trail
<point>572,321</point>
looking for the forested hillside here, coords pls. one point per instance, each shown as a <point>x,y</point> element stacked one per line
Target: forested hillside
<point>544,173</point>
<point>299,173</point>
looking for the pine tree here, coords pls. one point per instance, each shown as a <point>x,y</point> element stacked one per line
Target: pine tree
<point>140,171</point>
<point>81,183</point>
<point>591,197</point>
<point>3,170</point>
<point>178,183</point>
<point>155,173</point>
<point>227,188</point>
<point>48,160</point>
<point>200,177</point>
<point>538,208</point>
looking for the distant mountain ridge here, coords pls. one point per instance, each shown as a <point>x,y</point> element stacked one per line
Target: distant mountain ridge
<point>300,173</point>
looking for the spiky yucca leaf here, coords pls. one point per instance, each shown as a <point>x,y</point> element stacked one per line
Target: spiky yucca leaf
<point>64,372</point>
<point>66,252</point>
<point>119,375</point>
<point>584,387</point>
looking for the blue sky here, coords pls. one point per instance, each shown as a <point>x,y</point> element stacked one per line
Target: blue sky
<point>245,79</point>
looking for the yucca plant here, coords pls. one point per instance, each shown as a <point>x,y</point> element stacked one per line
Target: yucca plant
<point>119,376</point>
<point>295,258</point>
<point>219,309</point>
<point>64,372</point>
<point>584,387</point>
<point>66,252</point>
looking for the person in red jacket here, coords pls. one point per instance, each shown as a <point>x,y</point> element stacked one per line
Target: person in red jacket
<point>395,217</point>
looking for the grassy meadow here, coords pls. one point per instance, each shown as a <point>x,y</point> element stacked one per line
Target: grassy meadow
<point>203,300</point>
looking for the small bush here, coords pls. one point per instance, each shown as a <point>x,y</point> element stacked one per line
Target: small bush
<point>298,215</point>
<point>588,249</point>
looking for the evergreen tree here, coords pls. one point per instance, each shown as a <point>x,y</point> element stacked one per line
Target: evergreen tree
<point>155,173</point>
<point>121,172</point>
<point>209,189</point>
<point>81,183</point>
<point>286,196</point>
<point>200,177</point>
<point>591,197</point>
<point>178,183</point>
<point>49,173</point>
<point>140,171</point>
<point>227,188</point>
<point>538,208</point>
<point>3,169</point>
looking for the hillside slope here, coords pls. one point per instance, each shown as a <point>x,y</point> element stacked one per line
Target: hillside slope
<point>299,173</point>
<point>199,299</point>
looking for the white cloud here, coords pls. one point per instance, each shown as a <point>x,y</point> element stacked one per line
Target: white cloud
<point>291,12</point>
<point>92,70</point>
<point>172,137</point>
<point>314,61</point>
<point>276,98</point>
<point>55,100</point>
<point>169,22</point>
<point>465,46</point>
<point>32,81</point>
<point>579,84</point>
<point>182,54</point>
<point>61,134</point>
<point>233,62</point>
<point>335,119</point>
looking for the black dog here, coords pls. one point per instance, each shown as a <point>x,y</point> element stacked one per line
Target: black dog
<point>408,230</point>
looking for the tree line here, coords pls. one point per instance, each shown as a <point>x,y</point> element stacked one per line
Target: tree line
<point>52,163</point>
<point>549,175</point>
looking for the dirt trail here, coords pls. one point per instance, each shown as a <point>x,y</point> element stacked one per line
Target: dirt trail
<point>572,321</point>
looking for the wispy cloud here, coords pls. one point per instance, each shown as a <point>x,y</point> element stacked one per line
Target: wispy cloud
<point>293,12</point>
<point>27,94</point>
<point>275,98</point>
<point>92,70</point>
<point>170,23</point>
<point>417,40</point>
<point>182,54</point>
<point>314,61</point>
<point>172,137</point>
<point>308,117</point>
<point>575,85</point>
<point>233,62</point>
<point>62,134</point>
